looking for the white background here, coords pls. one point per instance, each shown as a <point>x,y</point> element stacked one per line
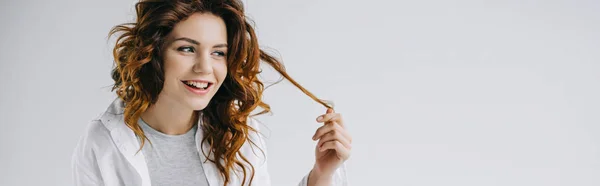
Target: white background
<point>456,93</point>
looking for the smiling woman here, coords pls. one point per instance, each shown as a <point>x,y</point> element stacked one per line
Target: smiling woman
<point>186,79</point>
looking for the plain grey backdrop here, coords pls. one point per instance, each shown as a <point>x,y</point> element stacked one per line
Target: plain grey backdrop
<point>434,92</point>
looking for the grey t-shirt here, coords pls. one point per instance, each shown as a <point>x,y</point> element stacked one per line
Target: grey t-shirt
<point>173,159</point>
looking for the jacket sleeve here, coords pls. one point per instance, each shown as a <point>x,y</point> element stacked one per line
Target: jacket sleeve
<point>339,177</point>
<point>84,165</point>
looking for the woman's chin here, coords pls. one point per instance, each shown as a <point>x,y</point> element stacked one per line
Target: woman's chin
<point>198,104</point>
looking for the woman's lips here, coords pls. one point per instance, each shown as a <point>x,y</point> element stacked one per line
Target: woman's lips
<point>198,91</point>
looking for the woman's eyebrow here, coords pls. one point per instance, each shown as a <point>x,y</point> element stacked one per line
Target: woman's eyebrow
<point>187,39</point>
<point>223,45</point>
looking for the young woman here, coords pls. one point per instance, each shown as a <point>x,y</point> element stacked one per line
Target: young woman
<point>186,78</point>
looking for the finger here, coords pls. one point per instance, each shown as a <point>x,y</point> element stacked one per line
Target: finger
<point>337,118</point>
<point>331,117</point>
<point>334,136</point>
<point>331,127</point>
<point>341,151</point>
<point>324,129</point>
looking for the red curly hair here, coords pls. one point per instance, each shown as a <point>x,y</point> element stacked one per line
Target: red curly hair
<point>139,76</point>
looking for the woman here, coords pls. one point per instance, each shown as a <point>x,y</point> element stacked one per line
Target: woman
<point>186,79</point>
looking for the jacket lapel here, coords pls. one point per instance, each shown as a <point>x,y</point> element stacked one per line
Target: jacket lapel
<point>125,140</point>
<point>210,169</point>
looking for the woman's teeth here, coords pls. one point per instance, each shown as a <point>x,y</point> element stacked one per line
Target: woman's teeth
<point>197,84</point>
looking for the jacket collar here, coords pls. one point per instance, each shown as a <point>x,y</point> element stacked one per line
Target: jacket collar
<point>127,143</point>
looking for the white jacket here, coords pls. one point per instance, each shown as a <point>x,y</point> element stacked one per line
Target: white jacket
<point>106,155</point>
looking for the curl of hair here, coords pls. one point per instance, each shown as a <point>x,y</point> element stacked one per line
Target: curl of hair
<point>139,76</point>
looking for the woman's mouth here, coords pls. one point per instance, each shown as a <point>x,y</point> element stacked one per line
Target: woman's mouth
<point>198,87</point>
<point>197,84</point>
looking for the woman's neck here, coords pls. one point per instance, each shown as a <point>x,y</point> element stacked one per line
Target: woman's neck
<point>169,117</point>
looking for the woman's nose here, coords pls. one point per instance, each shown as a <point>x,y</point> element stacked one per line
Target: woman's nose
<point>203,64</point>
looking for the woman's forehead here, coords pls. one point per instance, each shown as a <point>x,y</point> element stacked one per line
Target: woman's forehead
<point>202,27</point>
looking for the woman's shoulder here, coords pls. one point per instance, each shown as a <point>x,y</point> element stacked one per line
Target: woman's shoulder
<point>261,129</point>
<point>98,130</point>
<point>95,135</point>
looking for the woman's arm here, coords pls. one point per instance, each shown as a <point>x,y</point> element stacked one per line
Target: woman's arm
<point>339,178</point>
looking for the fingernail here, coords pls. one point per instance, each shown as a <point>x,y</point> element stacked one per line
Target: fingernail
<point>320,118</point>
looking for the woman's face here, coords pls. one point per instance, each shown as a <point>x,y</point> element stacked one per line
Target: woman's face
<point>194,58</point>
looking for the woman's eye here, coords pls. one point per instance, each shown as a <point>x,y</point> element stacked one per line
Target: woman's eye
<point>219,53</point>
<point>186,49</point>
